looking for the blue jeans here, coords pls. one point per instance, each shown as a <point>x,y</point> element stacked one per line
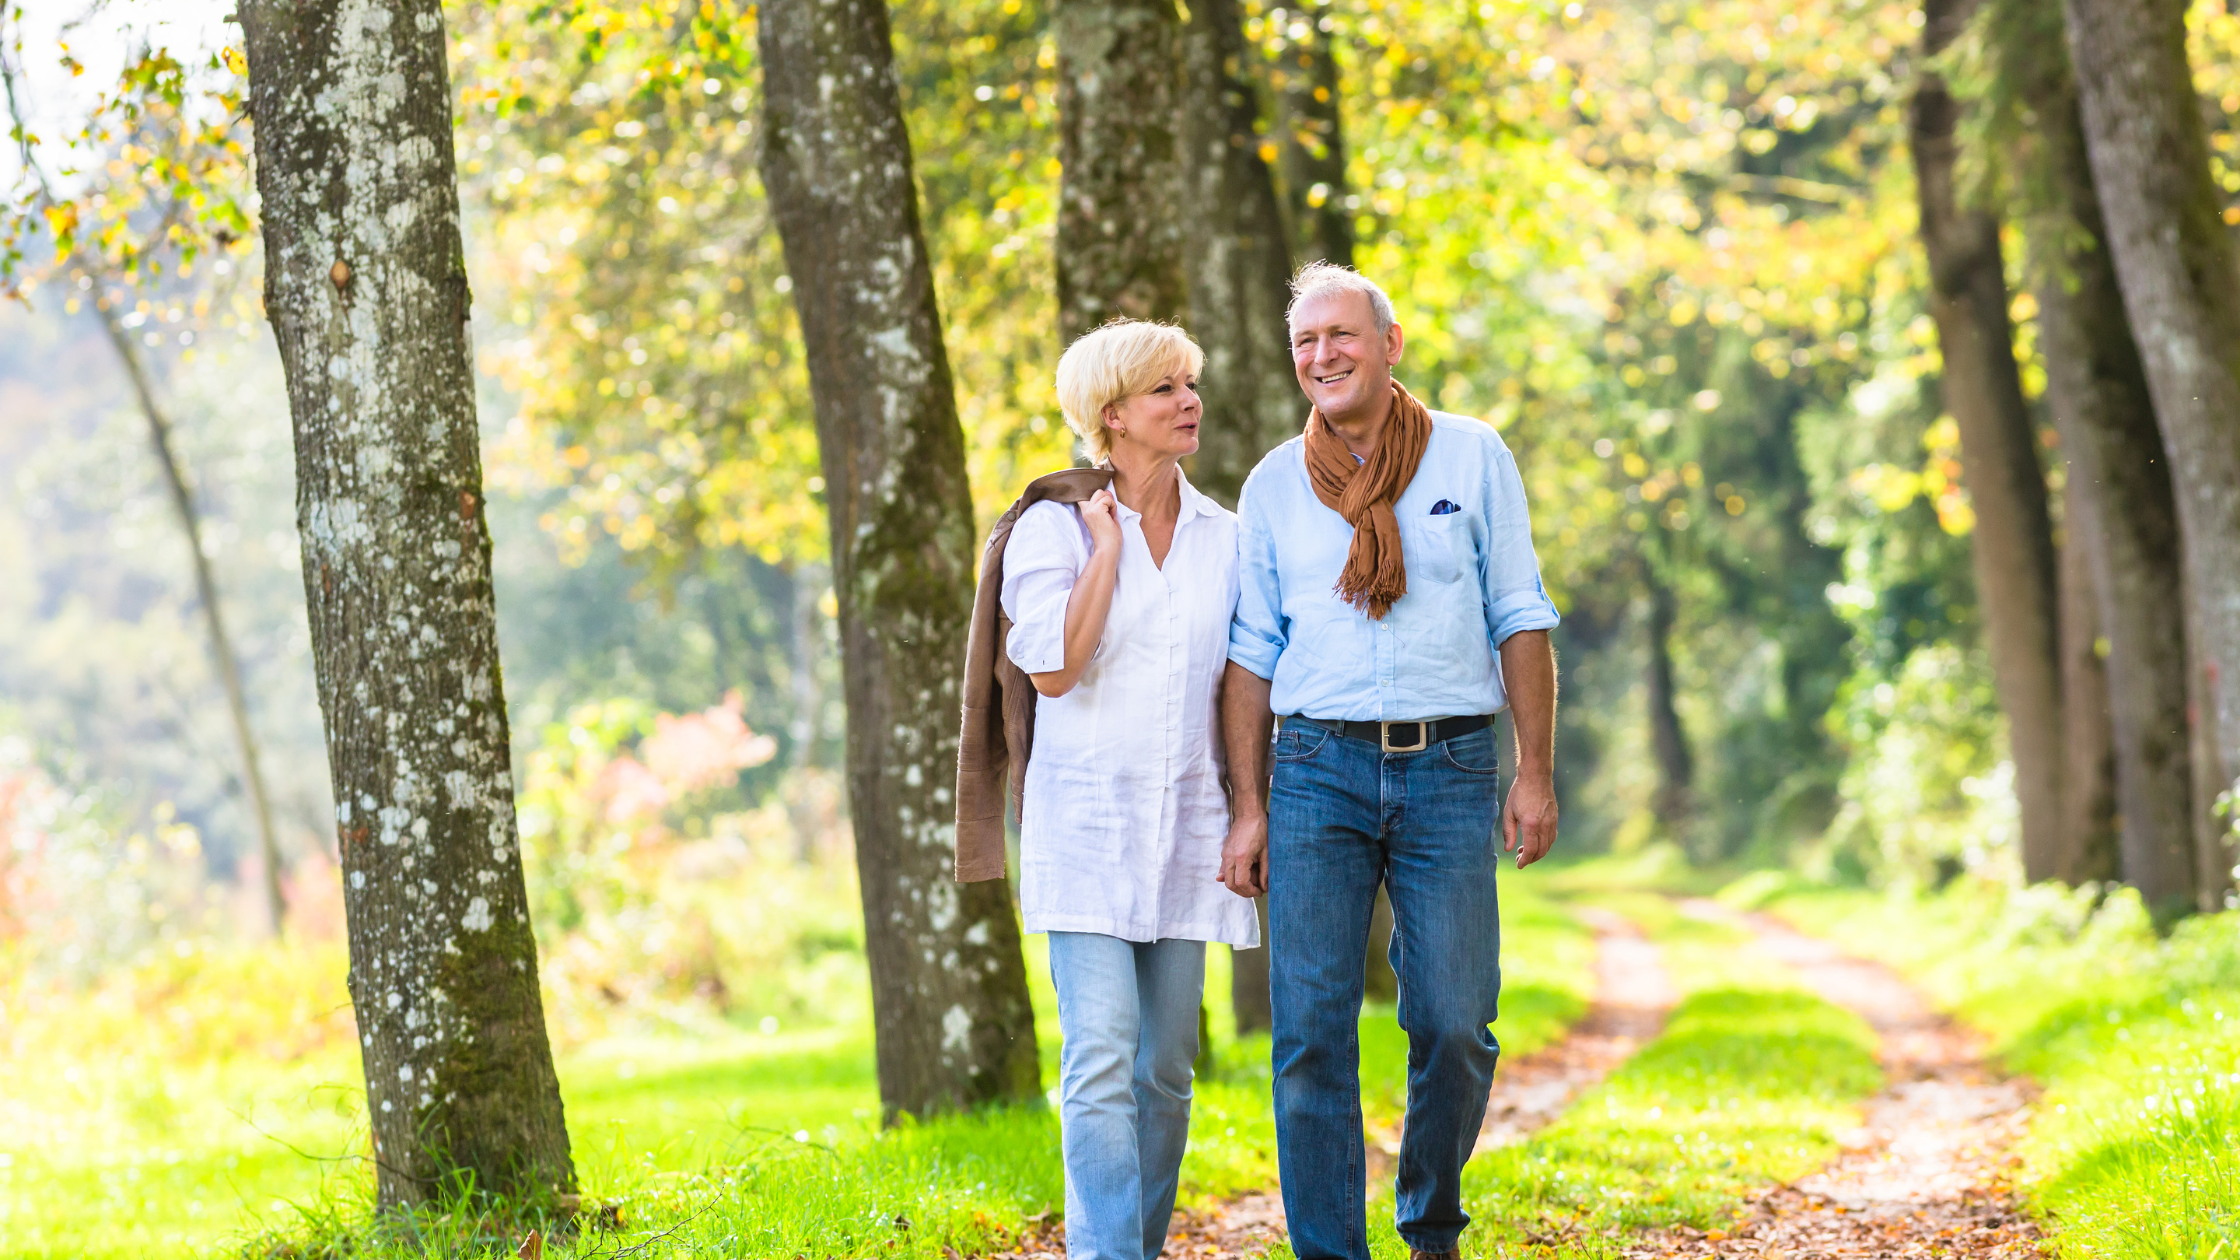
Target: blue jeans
<point>1128,1016</point>
<point>1343,816</point>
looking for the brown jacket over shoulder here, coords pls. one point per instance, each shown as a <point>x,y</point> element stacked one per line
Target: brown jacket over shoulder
<point>998,696</point>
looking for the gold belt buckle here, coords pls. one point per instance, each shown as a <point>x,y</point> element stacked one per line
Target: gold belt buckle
<point>1423,737</point>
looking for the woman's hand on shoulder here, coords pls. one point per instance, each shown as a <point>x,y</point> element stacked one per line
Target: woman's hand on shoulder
<point>1100,515</point>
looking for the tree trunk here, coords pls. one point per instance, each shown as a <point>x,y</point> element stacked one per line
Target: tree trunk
<point>1237,265</point>
<point>2128,533</point>
<point>1314,150</point>
<point>2088,851</point>
<point>1248,980</point>
<point>367,292</point>
<point>213,616</point>
<point>2150,162</point>
<point>1675,763</point>
<point>2013,542</point>
<point>948,982</point>
<point>1120,224</point>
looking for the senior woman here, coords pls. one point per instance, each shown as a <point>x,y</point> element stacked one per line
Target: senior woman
<point>1120,610</point>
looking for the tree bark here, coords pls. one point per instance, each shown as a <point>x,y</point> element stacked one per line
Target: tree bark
<point>2149,158</point>
<point>367,292</point>
<point>2013,541</point>
<point>1237,264</point>
<point>1314,151</point>
<point>948,983</point>
<point>1120,224</point>
<point>1675,762</point>
<point>2127,530</point>
<point>2089,850</point>
<point>213,616</point>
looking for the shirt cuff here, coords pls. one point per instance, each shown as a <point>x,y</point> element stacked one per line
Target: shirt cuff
<point>1525,610</point>
<point>1255,654</point>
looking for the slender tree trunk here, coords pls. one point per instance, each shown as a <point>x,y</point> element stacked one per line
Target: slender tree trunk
<point>1120,222</point>
<point>948,982</point>
<point>2174,262</point>
<point>2127,534</point>
<point>367,292</point>
<point>1675,762</point>
<point>2013,543</point>
<point>1314,150</point>
<point>2088,851</point>
<point>213,616</point>
<point>1237,264</point>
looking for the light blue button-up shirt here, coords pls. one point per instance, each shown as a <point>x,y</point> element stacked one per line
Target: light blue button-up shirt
<point>1473,581</point>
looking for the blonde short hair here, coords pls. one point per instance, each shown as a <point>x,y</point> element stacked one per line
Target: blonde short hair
<point>1120,360</point>
<point>1318,278</point>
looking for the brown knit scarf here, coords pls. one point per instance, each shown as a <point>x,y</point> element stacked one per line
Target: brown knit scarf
<point>1376,575</point>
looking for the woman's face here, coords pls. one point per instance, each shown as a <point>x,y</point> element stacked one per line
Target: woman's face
<point>1161,421</point>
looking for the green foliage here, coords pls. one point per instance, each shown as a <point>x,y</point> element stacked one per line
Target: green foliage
<point>156,174</point>
<point>2134,1037</point>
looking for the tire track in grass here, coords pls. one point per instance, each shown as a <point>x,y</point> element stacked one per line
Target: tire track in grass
<point>1928,1172</point>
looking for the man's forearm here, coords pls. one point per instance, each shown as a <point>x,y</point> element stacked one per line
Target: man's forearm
<point>1528,671</point>
<point>1246,720</point>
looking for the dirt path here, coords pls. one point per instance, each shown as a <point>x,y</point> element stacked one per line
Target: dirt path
<point>1929,1172</point>
<point>1632,997</point>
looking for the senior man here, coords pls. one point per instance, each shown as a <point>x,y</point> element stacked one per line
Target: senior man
<point>1391,605</point>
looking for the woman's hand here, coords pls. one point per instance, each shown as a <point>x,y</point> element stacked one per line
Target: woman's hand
<point>1100,515</point>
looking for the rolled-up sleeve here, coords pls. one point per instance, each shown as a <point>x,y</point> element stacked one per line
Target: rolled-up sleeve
<point>1509,569</point>
<point>1256,635</point>
<point>1041,562</point>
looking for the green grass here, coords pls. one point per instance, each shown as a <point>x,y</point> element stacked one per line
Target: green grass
<point>2134,1149</point>
<point>1748,1084</point>
<point>161,1116</point>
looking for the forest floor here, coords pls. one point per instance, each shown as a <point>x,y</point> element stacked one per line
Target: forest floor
<point>1681,1078</point>
<point>1928,1172</point>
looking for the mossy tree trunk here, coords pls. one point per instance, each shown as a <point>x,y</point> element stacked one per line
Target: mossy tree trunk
<point>2149,158</point>
<point>2122,520</point>
<point>948,981</point>
<point>2015,563</point>
<point>1120,217</point>
<point>1236,260</point>
<point>366,288</point>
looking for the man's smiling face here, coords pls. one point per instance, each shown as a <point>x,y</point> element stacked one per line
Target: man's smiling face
<point>1342,363</point>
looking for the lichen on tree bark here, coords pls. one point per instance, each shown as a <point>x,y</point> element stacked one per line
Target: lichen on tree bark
<point>366,289</point>
<point>954,1024</point>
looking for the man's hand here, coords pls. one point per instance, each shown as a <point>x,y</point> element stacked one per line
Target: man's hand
<point>1528,818</point>
<point>1244,856</point>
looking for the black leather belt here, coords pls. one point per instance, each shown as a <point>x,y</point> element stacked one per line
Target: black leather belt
<point>1400,737</point>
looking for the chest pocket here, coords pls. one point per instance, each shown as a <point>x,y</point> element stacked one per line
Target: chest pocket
<point>1437,547</point>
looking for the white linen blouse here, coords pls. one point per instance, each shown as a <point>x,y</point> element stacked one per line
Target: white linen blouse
<point>1125,813</point>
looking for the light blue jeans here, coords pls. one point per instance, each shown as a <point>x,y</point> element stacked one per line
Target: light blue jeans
<point>1128,1016</point>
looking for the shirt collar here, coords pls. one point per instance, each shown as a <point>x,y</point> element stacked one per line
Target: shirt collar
<point>1193,503</point>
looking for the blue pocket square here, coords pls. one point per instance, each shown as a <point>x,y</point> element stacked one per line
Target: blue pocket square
<point>1445,507</point>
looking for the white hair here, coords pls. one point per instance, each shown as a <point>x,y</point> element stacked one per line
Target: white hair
<point>1111,364</point>
<point>1318,278</point>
